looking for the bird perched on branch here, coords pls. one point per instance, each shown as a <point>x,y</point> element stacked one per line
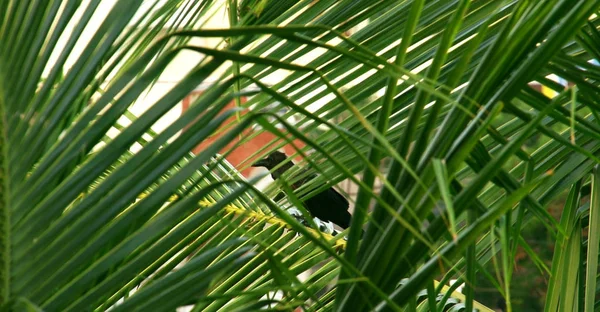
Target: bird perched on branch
<point>328,205</point>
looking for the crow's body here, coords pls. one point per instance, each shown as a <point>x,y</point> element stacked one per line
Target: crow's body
<point>327,205</point>
<point>330,205</point>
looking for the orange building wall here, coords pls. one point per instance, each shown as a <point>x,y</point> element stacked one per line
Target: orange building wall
<point>240,153</point>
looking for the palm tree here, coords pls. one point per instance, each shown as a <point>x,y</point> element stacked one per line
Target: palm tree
<point>101,211</point>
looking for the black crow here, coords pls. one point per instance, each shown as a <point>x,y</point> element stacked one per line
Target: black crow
<point>328,205</point>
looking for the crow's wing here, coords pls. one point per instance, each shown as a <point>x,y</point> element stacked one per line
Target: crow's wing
<point>339,198</point>
<point>278,197</point>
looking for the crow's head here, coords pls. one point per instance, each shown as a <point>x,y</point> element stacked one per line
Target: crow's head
<point>272,161</point>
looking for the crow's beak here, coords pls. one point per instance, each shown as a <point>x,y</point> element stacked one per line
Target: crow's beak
<point>261,163</point>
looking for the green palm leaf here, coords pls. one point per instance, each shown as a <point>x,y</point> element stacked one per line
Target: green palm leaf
<point>432,100</point>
